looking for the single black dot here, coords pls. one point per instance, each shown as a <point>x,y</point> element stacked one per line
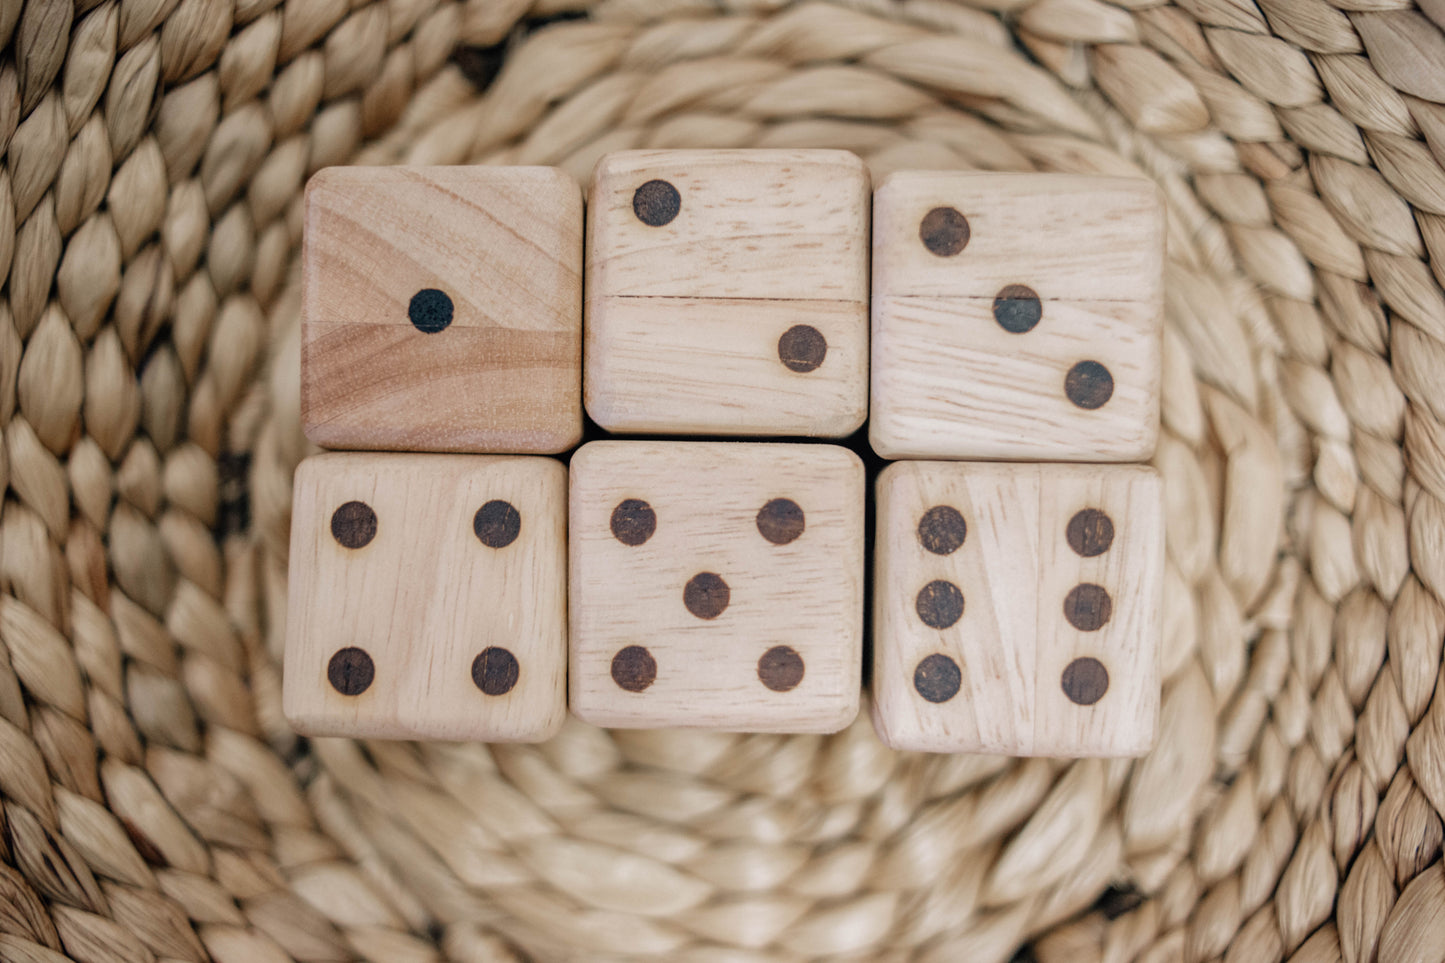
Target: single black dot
<point>781,668</point>
<point>350,671</point>
<point>1085,681</point>
<point>430,310</point>
<point>1088,607</point>
<point>497,524</point>
<point>656,203</point>
<point>1090,532</point>
<point>353,524</point>
<point>937,678</point>
<point>781,520</point>
<point>495,670</point>
<point>1089,385</point>
<point>706,595</point>
<point>633,521</point>
<point>944,231</point>
<point>1017,309</point>
<point>634,668</point>
<point>939,604</point>
<point>942,530</point>
<point>802,348</point>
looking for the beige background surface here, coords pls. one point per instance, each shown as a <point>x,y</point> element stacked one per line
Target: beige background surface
<point>155,804</point>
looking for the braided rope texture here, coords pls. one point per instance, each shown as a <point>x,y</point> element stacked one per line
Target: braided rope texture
<point>154,805</point>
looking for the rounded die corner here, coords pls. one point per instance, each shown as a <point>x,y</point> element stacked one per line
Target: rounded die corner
<point>580,707</point>
<point>546,731</point>
<point>897,474</point>
<point>895,181</point>
<point>556,440</point>
<point>855,167</point>
<point>326,436</point>
<point>1141,452</point>
<point>1148,739</point>
<point>326,178</point>
<point>846,458</point>
<point>609,166</point>
<point>885,442</point>
<point>601,407</point>
<point>845,421</point>
<point>580,461</point>
<point>844,715</point>
<point>896,738</point>
<point>312,725</point>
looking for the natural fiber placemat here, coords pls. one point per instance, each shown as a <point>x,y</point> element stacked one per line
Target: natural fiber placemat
<point>155,806</point>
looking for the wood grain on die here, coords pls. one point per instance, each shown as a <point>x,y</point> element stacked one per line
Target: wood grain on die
<point>716,585</point>
<point>1099,614</point>
<point>949,381</point>
<point>1060,571</point>
<point>1066,236</point>
<point>441,309</point>
<point>785,224</point>
<point>1016,316</point>
<point>727,367</point>
<point>427,597</point>
<point>727,292</point>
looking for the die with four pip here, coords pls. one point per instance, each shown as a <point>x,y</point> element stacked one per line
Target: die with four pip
<point>728,295</point>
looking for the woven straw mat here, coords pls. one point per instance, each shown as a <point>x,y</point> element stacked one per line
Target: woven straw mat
<point>154,804</point>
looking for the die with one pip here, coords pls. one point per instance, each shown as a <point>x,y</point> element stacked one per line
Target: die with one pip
<point>428,597</point>
<point>1016,316</point>
<point>1016,608</point>
<point>727,292</point>
<point>716,585</point>
<point>442,309</point>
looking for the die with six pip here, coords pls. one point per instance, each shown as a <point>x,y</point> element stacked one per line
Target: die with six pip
<point>1016,608</point>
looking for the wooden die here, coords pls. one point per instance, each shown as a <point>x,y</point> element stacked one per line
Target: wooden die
<point>1017,608</point>
<point>442,309</point>
<point>716,585</point>
<point>428,597</point>
<point>727,292</point>
<point>1016,316</point>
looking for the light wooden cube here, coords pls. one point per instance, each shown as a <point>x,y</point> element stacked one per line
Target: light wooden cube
<point>727,292</point>
<point>428,597</point>
<point>1016,316</point>
<point>716,585</point>
<point>1017,608</point>
<point>442,309</point>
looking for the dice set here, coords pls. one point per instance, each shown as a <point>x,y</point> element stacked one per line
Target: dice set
<point>451,581</point>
